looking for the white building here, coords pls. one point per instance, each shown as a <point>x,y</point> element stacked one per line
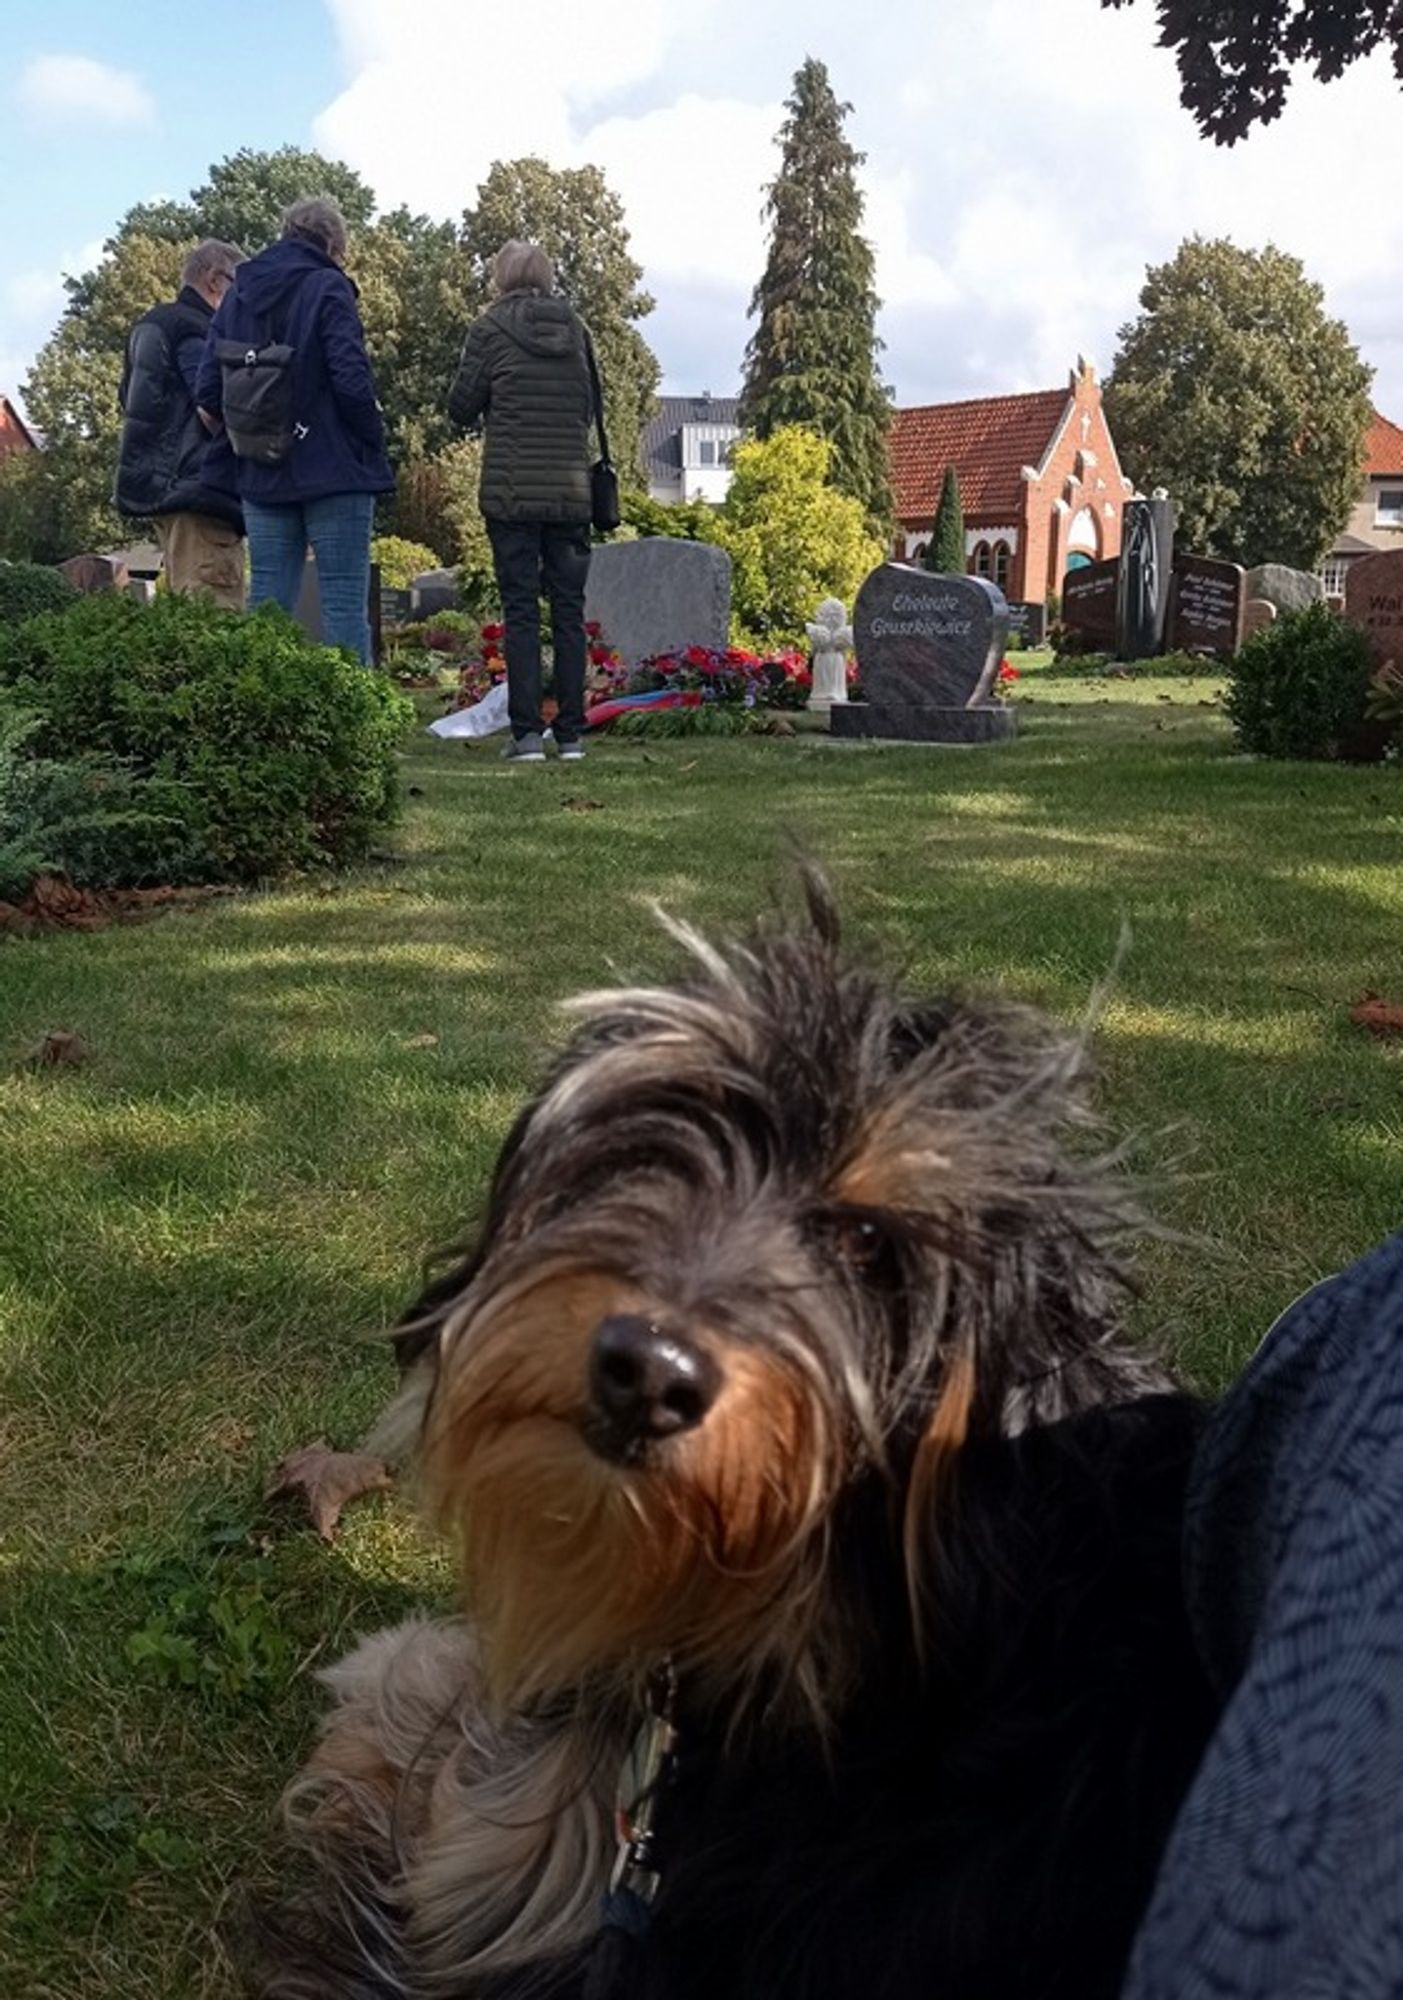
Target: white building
<point>687,448</point>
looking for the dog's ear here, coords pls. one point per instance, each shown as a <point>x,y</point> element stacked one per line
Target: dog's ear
<point>418,1326</point>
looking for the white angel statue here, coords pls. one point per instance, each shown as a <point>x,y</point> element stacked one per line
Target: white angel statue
<point>830,636</point>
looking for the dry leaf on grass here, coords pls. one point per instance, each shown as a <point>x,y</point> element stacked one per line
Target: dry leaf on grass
<point>1379,1016</point>
<point>59,1049</point>
<point>420,1042</point>
<point>327,1481</point>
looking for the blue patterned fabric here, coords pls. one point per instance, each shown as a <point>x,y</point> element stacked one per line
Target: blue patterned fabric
<point>1284,1876</point>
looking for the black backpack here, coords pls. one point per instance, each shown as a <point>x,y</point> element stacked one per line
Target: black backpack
<point>258,399</point>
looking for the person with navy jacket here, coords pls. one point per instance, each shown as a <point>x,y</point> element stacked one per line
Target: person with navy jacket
<point>323,492</point>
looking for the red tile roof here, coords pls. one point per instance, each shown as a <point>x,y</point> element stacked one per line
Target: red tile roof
<point>1383,446</point>
<point>988,442</point>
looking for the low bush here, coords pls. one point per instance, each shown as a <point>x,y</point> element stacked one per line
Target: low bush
<point>1386,700</point>
<point>255,749</point>
<point>401,561</point>
<point>1300,688</point>
<point>28,588</point>
<point>81,818</point>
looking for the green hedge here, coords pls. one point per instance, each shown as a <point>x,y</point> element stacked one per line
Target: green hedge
<point>28,588</point>
<point>256,750</point>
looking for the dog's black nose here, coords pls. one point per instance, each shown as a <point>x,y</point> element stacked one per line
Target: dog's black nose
<point>646,1384</point>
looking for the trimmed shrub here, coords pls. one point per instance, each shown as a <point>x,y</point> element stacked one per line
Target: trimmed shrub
<point>80,818</point>
<point>264,751</point>
<point>401,561</point>
<point>1300,688</point>
<point>28,588</point>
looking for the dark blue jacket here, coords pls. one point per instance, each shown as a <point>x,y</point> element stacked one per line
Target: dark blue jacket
<point>1284,1876</point>
<point>167,462</point>
<point>293,292</point>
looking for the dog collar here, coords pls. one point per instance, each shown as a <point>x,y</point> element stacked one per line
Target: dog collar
<point>634,1881</point>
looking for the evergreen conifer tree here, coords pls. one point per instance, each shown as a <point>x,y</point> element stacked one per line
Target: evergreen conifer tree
<point>812,360</point>
<point>945,551</point>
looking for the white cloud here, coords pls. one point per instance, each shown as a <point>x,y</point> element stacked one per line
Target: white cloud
<point>35,298</point>
<point>76,86</point>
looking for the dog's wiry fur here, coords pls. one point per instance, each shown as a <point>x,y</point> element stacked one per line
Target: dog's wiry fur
<point>916,1568</point>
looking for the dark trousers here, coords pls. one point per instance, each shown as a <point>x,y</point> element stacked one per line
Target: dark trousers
<point>535,559</point>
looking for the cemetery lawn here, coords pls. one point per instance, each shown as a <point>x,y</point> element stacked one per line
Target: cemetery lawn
<point>290,1098</point>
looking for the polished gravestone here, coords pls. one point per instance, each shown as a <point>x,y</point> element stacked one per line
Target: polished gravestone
<point>929,650</point>
<point>1206,610</point>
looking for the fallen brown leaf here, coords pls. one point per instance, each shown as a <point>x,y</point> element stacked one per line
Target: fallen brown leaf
<point>54,1051</point>
<point>420,1042</point>
<point>1379,1016</point>
<point>327,1481</point>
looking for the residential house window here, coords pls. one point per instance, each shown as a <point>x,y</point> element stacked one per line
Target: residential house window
<point>1002,553</point>
<point>1332,578</point>
<point>982,559</point>
<point>707,450</point>
<point>1388,508</point>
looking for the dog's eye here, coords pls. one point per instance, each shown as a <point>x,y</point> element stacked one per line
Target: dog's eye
<point>864,1245</point>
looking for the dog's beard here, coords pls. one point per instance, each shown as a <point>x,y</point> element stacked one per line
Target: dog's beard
<point>711,1549</point>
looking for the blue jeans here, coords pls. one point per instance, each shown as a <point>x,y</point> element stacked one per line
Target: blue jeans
<point>338,528</point>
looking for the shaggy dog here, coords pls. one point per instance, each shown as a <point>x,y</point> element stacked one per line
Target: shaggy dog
<point>819,1533</point>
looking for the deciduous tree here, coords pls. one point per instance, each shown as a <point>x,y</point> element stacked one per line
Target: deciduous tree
<point>1238,393</point>
<point>578,220</point>
<point>1235,57</point>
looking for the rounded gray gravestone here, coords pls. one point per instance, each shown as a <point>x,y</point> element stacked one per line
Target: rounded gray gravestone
<point>928,651</point>
<point>1257,614</point>
<point>658,595</point>
<point>1288,589</point>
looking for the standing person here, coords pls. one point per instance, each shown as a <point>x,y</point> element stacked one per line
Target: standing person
<point>323,490</point>
<point>168,469</point>
<point>524,370</point>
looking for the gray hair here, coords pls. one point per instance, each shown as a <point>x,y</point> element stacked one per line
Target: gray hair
<point>211,259</point>
<point>316,219</point>
<point>522,267</point>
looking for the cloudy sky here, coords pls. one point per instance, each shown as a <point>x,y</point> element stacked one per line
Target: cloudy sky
<point>1025,158</point>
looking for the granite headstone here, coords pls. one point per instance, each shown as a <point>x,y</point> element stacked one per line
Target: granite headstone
<point>1257,614</point>
<point>928,653</point>
<point>434,590</point>
<point>396,606</point>
<point>1146,569</point>
<point>1029,621</point>
<point>1288,589</point>
<point>1374,600</point>
<point>1089,604</point>
<point>1206,608</point>
<point>94,574</point>
<point>659,594</point>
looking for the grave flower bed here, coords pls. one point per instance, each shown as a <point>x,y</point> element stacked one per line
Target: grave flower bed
<point>729,682</point>
<point>728,690</point>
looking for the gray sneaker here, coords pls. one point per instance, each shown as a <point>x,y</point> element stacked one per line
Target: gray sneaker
<point>525,750</point>
<point>572,752</point>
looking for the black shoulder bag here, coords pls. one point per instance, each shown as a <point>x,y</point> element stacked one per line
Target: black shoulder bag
<point>603,480</point>
<point>258,391</point>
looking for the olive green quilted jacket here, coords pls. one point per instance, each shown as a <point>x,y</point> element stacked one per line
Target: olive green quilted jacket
<point>523,373</point>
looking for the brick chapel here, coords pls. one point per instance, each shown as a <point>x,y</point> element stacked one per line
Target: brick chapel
<point>1040,483</point>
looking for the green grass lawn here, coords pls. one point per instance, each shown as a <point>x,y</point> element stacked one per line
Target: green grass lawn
<point>201,1227</point>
